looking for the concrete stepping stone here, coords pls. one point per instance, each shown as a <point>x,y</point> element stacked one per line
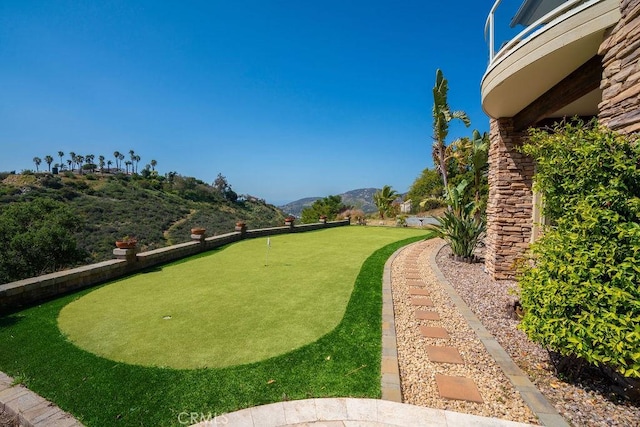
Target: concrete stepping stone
<point>458,388</point>
<point>419,291</point>
<point>444,354</point>
<point>414,282</point>
<point>427,315</point>
<point>412,276</point>
<point>422,301</point>
<point>434,332</point>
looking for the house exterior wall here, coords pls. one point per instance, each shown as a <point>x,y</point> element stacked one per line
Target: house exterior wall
<point>510,203</point>
<point>620,106</point>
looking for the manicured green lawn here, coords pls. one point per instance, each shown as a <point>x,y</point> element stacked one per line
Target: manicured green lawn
<point>319,297</point>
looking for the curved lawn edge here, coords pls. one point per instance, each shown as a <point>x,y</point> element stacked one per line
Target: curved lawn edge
<point>99,392</point>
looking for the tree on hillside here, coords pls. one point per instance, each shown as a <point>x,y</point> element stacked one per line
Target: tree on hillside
<point>330,206</point>
<point>37,161</point>
<point>109,163</point>
<point>101,163</point>
<point>61,155</point>
<point>37,238</point>
<point>116,154</point>
<point>383,199</point>
<point>153,164</point>
<point>136,159</point>
<point>120,158</point>
<point>442,115</point>
<point>80,162</point>
<point>48,160</point>
<point>72,156</point>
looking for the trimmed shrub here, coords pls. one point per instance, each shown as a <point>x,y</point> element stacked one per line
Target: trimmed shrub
<point>579,285</point>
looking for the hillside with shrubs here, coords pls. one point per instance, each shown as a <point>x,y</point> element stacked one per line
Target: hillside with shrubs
<point>53,221</point>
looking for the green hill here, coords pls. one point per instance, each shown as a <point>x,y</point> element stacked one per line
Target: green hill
<point>157,210</point>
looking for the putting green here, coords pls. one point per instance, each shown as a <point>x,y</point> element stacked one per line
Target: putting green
<point>227,307</point>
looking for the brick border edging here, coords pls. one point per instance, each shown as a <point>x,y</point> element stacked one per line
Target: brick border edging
<point>539,405</point>
<point>30,409</point>
<point>389,367</point>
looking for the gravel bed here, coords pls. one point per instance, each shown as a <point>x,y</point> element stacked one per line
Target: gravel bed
<point>585,401</point>
<point>417,372</point>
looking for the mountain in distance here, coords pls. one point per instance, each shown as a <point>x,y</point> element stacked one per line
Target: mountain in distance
<point>361,198</point>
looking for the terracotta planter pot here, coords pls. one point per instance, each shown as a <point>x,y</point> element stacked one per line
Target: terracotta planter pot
<point>125,245</point>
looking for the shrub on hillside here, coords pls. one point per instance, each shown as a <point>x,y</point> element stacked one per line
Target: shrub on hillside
<point>37,238</point>
<point>579,287</point>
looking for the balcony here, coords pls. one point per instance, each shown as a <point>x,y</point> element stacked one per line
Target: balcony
<point>557,39</point>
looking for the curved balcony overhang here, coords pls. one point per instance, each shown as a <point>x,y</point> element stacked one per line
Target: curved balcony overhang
<point>528,69</point>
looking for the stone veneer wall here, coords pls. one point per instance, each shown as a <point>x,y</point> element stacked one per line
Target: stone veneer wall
<point>510,204</point>
<point>16,295</point>
<point>620,106</point>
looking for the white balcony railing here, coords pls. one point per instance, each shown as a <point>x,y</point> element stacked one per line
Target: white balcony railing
<point>562,12</point>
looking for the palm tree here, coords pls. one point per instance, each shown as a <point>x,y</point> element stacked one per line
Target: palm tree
<point>116,154</point>
<point>442,115</point>
<point>48,160</point>
<point>70,162</point>
<point>121,158</point>
<point>61,155</point>
<point>153,164</point>
<point>80,161</point>
<point>383,199</point>
<point>37,161</point>
<point>127,164</point>
<point>72,156</point>
<point>101,163</point>
<point>136,158</point>
<point>109,163</point>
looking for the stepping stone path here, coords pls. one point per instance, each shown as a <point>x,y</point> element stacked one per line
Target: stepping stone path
<point>449,387</point>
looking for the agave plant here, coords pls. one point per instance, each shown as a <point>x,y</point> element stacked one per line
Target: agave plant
<point>459,226</point>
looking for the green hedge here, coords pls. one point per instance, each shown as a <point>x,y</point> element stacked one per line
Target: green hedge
<point>579,288</point>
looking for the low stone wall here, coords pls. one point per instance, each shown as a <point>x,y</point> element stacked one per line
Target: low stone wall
<point>20,294</point>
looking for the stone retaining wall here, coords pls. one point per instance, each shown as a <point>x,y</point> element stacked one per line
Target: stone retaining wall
<point>620,106</point>
<point>16,295</point>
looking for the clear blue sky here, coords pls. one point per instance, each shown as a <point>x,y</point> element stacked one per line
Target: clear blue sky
<point>287,99</point>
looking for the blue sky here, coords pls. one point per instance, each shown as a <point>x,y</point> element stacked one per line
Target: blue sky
<point>287,99</point>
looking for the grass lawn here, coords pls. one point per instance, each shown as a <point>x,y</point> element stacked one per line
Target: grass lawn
<point>306,325</point>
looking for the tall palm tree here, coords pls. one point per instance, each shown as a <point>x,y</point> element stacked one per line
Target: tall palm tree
<point>137,159</point>
<point>383,199</point>
<point>48,160</point>
<point>72,156</point>
<point>37,161</point>
<point>80,160</point>
<point>120,158</point>
<point>127,164</point>
<point>70,163</point>
<point>442,115</point>
<point>61,155</point>
<point>109,163</point>
<point>101,163</point>
<point>116,154</point>
<point>153,164</point>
